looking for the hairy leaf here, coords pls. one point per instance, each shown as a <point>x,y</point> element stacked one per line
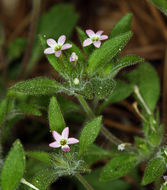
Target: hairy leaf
<point>44,178</point>
<point>124,62</point>
<point>89,134</point>
<point>122,26</point>
<point>155,169</point>
<point>122,91</point>
<point>40,156</point>
<point>103,88</point>
<point>118,167</point>
<point>37,86</point>
<point>106,52</point>
<point>13,168</point>
<point>56,120</point>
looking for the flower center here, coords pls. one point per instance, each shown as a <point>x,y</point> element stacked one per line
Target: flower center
<point>95,38</point>
<point>58,47</point>
<point>63,142</point>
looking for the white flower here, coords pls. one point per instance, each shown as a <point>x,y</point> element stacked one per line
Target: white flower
<point>94,38</point>
<point>73,57</point>
<point>57,47</point>
<point>121,147</point>
<point>62,140</point>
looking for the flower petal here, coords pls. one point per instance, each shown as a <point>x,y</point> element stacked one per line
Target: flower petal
<point>54,144</point>
<point>87,42</point>
<point>51,42</point>
<point>66,46</point>
<point>90,33</point>
<point>57,53</point>
<point>65,148</point>
<point>99,32</point>
<point>65,132</point>
<point>56,135</point>
<point>97,44</point>
<point>48,51</point>
<point>62,39</point>
<point>72,141</point>
<point>103,37</point>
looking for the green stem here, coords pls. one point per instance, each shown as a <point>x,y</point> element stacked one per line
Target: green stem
<point>91,115</point>
<point>84,182</point>
<point>86,107</point>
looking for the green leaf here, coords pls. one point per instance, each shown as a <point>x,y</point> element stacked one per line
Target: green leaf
<point>40,156</point>
<point>102,88</point>
<point>56,120</point>
<point>122,91</point>
<point>29,110</point>
<point>124,62</point>
<point>44,178</point>
<point>13,167</point>
<point>103,55</point>
<point>146,78</point>
<point>92,179</point>
<point>3,110</point>
<point>89,134</point>
<point>54,26</point>
<point>37,86</point>
<point>160,4</point>
<point>122,26</point>
<point>118,167</point>
<point>155,169</point>
<point>95,153</point>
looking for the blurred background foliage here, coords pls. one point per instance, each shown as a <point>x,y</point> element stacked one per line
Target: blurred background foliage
<point>19,32</point>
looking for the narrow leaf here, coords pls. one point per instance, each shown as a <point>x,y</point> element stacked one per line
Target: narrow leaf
<point>29,110</point>
<point>89,134</point>
<point>56,120</point>
<point>96,153</point>
<point>13,168</point>
<point>146,78</point>
<point>37,86</point>
<point>106,52</point>
<point>122,26</point>
<point>124,62</point>
<point>40,156</point>
<point>118,167</point>
<point>154,170</point>
<point>44,178</point>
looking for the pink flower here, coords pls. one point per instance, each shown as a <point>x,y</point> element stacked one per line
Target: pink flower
<point>73,57</point>
<point>62,140</point>
<point>57,47</point>
<point>94,38</point>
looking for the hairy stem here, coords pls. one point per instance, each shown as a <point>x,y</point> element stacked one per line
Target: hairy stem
<point>84,182</point>
<point>35,16</point>
<point>91,115</point>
